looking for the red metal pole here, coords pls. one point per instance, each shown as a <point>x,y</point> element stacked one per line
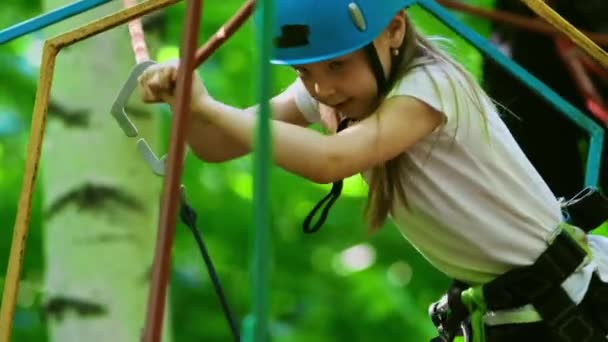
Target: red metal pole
<point>190,59</point>
<point>225,31</point>
<point>175,162</point>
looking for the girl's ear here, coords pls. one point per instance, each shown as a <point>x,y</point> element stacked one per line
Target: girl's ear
<point>396,30</point>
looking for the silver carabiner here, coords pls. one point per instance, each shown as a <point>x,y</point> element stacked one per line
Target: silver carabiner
<point>157,165</point>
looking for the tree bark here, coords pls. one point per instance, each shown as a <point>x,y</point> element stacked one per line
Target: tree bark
<point>100,199</point>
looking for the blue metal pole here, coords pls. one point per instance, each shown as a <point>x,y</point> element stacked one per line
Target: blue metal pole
<point>47,19</point>
<point>596,133</point>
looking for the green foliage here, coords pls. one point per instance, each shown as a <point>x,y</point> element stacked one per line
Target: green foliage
<point>16,102</point>
<point>16,11</point>
<point>22,76</point>
<point>314,295</point>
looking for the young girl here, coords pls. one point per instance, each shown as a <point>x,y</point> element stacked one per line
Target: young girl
<point>437,159</point>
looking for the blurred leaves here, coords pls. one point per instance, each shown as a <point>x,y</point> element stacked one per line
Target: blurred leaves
<point>16,11</point>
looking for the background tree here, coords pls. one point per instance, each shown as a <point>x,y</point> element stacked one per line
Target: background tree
<point>100,202</point>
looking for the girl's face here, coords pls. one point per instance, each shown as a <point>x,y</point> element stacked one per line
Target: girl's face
<point>347,83</point>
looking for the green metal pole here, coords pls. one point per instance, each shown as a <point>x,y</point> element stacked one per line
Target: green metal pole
<point>261,201</point>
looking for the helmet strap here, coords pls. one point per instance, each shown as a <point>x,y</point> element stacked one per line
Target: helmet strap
<point>376,65</point>
<point>374,61</point>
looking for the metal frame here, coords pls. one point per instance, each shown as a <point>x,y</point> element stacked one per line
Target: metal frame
<point>47,19</point>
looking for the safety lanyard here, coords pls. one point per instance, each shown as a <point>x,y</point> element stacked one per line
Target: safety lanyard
<point>328,200</point>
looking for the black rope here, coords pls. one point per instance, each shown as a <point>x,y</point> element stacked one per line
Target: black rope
<point>329,199</point>
<point>188,216</point>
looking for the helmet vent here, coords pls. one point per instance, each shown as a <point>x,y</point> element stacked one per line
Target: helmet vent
<point>292,36</point>
<point>357,16</point>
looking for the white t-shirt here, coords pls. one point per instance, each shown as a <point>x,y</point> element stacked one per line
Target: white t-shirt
<point>477,207</point>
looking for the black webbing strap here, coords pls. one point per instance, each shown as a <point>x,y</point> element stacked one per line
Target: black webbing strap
<point>327,201</point>
<point>595,301</point>
<point>540,285</point>
<point>188,216</point>
<point>523,285</point>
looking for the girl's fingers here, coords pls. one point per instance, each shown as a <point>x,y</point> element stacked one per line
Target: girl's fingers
<point>147,93</point>
<point>158,83</point>
<point>154,85</point>
<point>167,79</point>
<point>149,96</point>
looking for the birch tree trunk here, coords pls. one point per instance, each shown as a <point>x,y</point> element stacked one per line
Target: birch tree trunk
<point>100,199</point>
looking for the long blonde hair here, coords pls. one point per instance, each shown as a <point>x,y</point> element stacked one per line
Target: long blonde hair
<point>386,183</point>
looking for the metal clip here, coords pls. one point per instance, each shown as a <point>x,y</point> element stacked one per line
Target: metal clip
<point>118,112</point>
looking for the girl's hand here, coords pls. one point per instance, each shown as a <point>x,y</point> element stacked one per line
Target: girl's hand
<point>157,84</point>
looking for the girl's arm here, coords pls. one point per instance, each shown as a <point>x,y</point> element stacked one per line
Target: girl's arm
<point>207,141</point>
<point>398,123</point>
<point>214,145</point>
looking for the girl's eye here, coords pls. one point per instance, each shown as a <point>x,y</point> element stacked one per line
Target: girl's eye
<point>336,65</point>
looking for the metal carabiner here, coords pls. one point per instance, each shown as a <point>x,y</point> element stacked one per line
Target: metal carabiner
<point>118,112</point>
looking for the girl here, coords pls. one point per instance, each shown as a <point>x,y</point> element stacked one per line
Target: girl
<point>437,159</point>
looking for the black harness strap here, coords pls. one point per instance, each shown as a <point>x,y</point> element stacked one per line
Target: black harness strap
<point>540,285</point>
<point>596,301</point>
<point>377,69</point>
<point>524,285</point>
<point>328,201</point>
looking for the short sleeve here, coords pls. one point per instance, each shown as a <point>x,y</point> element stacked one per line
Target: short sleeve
<point>308,106</point>
<point>431,85</point>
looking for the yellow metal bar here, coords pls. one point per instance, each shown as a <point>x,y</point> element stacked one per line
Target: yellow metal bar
<point>109,22</point>
<point>51,49</point>
<point>548,14</point>
<point>25,199</point>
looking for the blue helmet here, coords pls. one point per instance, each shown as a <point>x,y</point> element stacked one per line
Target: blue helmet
<point>309,31</point>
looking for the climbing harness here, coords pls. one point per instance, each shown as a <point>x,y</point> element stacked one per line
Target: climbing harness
<point>533,293</point>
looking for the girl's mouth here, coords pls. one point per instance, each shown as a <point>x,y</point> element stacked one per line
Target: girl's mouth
<point>341,107</point>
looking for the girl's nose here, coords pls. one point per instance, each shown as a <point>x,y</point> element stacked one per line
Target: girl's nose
<point>324,89</point>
